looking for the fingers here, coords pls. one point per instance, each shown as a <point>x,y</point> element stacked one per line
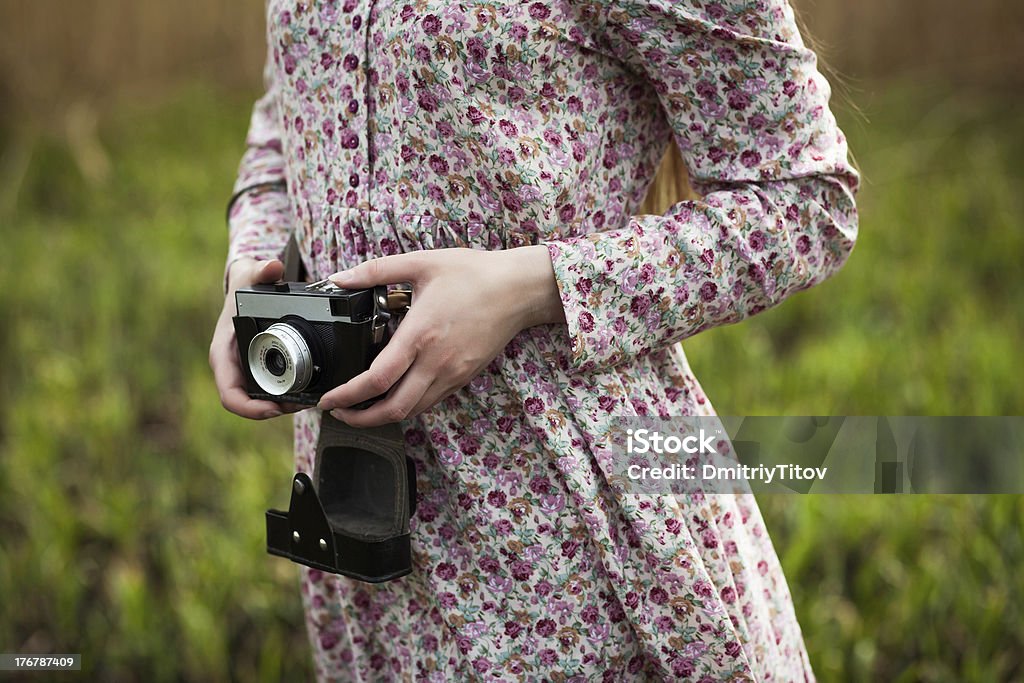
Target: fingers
<point>436,393</point>
<point>238,402</point>
<point>399,405</point>
<point>386,270</point>
<point>228,376</point>
<point>385,371</point>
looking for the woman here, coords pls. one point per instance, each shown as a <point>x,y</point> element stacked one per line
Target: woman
<point>492,152</point>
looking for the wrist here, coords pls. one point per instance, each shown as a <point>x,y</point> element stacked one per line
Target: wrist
<point>533,294</point>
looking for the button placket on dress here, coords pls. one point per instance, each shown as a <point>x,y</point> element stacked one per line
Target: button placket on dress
<point>354,114</point>
<point>366,167</point>
<point>355,137</point>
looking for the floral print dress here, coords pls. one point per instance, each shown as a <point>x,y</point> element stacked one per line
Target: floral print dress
<point>394,125</point>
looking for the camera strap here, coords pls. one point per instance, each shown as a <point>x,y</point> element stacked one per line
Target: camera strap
<point>294,268</point>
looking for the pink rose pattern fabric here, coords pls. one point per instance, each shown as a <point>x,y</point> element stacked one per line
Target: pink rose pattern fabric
<point>492,124</point>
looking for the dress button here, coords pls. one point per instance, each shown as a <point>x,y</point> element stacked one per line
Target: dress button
<point>351,62</point>
<point>353,106</point>
<point>353,180</point>
<point>357,21</point>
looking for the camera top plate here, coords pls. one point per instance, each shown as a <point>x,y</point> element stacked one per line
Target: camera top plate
<point>274,301</point>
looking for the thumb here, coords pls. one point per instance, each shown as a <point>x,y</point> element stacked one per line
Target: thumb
<point>268,271</point>
<point>386,270</point>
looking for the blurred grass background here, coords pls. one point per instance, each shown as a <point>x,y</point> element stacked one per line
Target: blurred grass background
<point>131,504</point>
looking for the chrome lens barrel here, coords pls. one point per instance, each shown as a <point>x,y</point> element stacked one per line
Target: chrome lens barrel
<point>280,360</point>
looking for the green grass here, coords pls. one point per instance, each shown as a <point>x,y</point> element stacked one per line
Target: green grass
<point>131,504</point>
<point>925,319</point>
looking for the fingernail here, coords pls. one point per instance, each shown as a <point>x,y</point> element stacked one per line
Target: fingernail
<point>337,415</point>
<point>341,278</point>
<point>274,413</point>
<point>324,405</point>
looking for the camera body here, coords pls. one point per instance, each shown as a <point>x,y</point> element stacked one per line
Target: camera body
<point>297,341</point>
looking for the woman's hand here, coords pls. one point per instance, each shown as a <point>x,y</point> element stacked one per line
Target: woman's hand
<point>467,305</point>
<point>227,371</point>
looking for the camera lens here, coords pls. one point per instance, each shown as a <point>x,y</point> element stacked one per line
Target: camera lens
<point>280,360</point>
<point>275,362</point>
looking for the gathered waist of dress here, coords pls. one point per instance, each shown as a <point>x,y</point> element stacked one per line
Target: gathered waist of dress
<point>345,236</point>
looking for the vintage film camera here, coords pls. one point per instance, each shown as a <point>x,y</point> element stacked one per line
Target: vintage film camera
<point>297,341</point>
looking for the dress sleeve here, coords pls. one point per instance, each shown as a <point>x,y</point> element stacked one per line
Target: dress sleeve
<point>259,217</point>
<point>750,113</point>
